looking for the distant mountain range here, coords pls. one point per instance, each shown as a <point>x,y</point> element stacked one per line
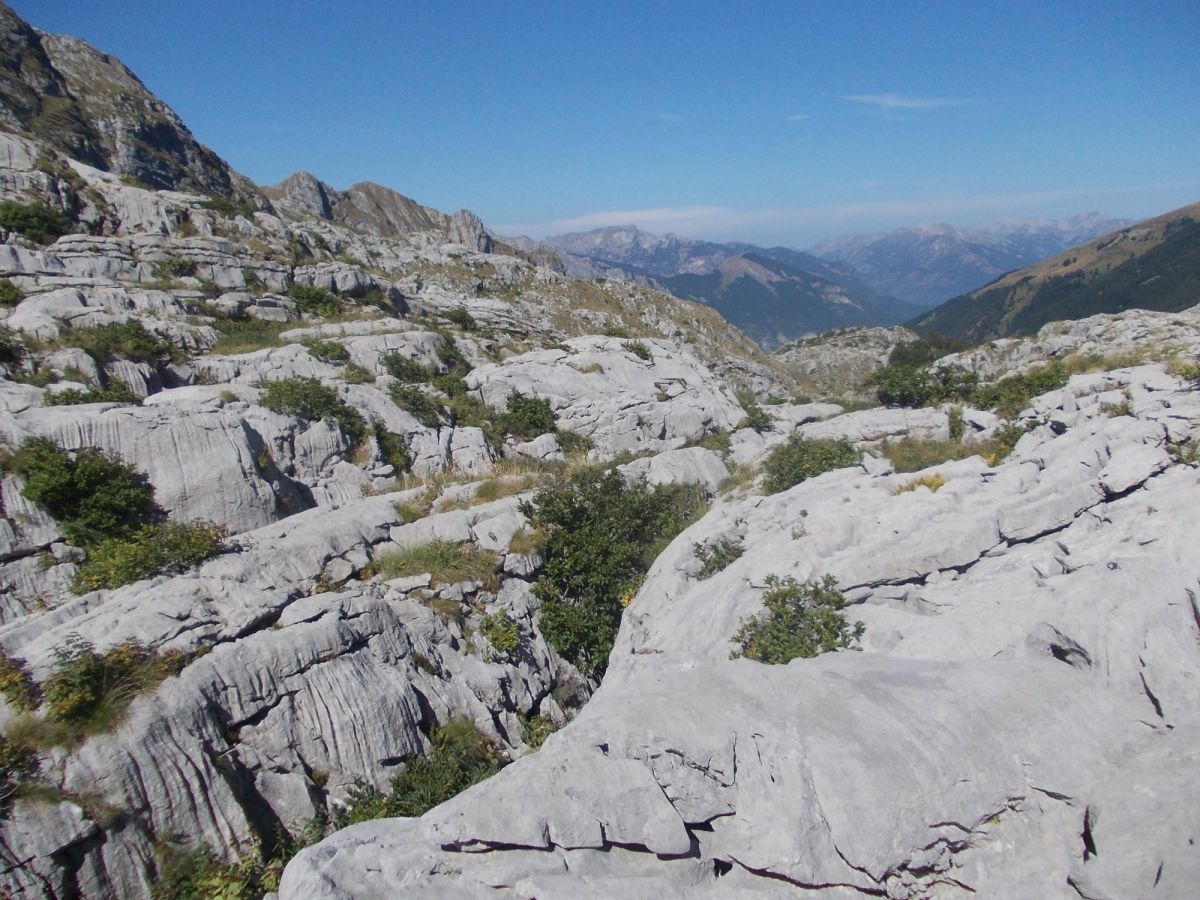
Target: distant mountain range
<point>773,294</point>
<point>1154,264</point>
<point>928,264</point>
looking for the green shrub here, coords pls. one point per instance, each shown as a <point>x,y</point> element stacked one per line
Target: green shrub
<point>537,729</point>
<point>447,562</point>
<point>638,349</point>
<point>452,357</point>
<point>308,399</point>
<point>416,402</point>
<point>174,267</point>
<point>1008,396</point>
<point>92,495</point>
<point>352,374</point>
<point>12,351</point>
<point>403,369</point>
<point>914,388</point>
<point>956,425</point>
<point>17,764</point>
<point>461,757</point>
<point>450,384</point>
<point>197,875</point>
<point>242,335</point>
<point>913,455</point>
<point>501,631</point>
<point>925,350</point>
<point>10,294</point>
<point>718,555</point>
<point>16,686</point>
<point>117,340</point>
<point>800,459</point>
<point>89,691</point>
<point>315,300</point>
<point>572,442</point>
<point>601,536</point>
<point>327,351</point>
<point>164,548</point>
<point>800,620</point>
<point>392,447</point>
<point>115,392</point>
<point>460,317</point>
<point>35,221</point>
<point>756,417</point>
<point>527,417</point>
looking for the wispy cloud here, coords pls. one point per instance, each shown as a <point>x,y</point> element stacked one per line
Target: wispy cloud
<point>797,118</point>
<point>668,118</point>
<point>893,102</point>
<point>796,224</point>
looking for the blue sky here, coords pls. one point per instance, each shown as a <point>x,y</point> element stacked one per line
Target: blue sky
<point>776,123</point>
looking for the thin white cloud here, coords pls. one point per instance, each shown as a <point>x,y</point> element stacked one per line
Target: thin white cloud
<point>668,118</point>
<point>893,102</point>
<point>796,118</point>
<point>798,223</point>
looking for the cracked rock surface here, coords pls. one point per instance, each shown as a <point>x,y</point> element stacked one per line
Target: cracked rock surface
<point>1020,718</point>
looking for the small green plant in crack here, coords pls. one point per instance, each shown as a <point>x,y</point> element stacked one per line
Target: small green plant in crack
<point>172,266</point>
<point>717,556</point>
<point>800,620</point>
<point>638,349</point>
<point>501,631</point>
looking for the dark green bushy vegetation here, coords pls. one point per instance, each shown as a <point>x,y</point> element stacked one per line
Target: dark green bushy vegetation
<point>10,294</point>
<point>461,757</point>
<point>460,317</point>
<point>174,267</point>
<point>163,548</point>
<point>800,459</point>
<point>392,447</point>
<point>90,690</point>
<point>315,300</point>
<point>404,369</point>
<point>638,349</point>
<point>35,221</point>
<point>718,555</point>
<point>501,631</point>
<point>12,351</point>
<point>92,494</point>
<point>308,399</point>
<point>328,351</point>
<point>114,392</point>
<point>117,340</point>
<point>601,536</point>
<point>17,764</point>
<point>756,417</point>
<point>527,417</point>
<point>800,620</point>
<point>413,400</point>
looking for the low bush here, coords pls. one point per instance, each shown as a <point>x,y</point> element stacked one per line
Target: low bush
<point>537,729</point>
<point>12,350</point>
<point>800,459</point>
<point>314,300</point>
<point>417,403</point>
<point>756,417</point>
<point>1008,396</point>
<point>115,392</point>
<point>308,399</point>
<point>447,562</point>
<point>198,875</point>
<point>393,449</point>
<point>174,267</point>
<point>92,494</point>
<point>89,691</point>
<point>461,757</point>
<point>450,384</point>
<point>352,374</point>
<point>17,764</point>
<point>164,548</point>
<point>601,535</point>
<point>117,340</point>
<point>403,369</point>
<point>328,351</point>
<point>638,349</point>
<point>718,555</point>
<point>35,221</point>
<point>10,294</point>
<point>800,620</point>
<point>460,317</point>
<point>572,442</point>
<point>501,631</point>
<point>227,207</point>
<point>527,417</point>
<point>925,350</point>
<point>16,686</point>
